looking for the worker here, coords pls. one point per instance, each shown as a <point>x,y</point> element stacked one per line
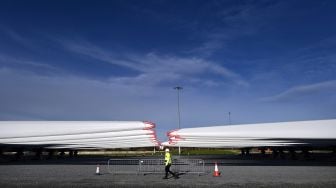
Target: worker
<point>168,163</point>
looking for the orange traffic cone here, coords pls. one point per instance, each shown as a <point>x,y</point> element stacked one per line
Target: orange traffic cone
<point>97,170</point>
<point>216,172</point>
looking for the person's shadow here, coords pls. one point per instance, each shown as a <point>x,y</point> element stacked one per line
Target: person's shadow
<point>177,175</point>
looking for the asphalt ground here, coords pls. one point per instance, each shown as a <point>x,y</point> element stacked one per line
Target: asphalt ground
<point>235,172</point>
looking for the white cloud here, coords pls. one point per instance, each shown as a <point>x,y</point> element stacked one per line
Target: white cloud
<point>51,97</point>
<point>17,37</point>
<point>8,60</point>
<point>300,91</point>
<point>233,22</point>
<point>162,68</point>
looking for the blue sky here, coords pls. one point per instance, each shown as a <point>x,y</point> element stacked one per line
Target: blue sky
<point>263,61</point>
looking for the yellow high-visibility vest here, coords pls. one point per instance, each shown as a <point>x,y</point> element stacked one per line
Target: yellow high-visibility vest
<point>168,159</point>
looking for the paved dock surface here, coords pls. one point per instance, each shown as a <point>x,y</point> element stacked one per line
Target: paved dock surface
<point>237,173</point>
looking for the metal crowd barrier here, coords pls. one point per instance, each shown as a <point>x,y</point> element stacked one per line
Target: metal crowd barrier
<point>123,166</point>
<point>153,166</point>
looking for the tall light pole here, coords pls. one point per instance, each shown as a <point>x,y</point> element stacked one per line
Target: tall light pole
<point>178,88</point>
<point>229,118</point>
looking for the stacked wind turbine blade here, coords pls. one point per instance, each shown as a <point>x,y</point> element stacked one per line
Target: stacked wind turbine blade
<point>79,134</point>
<point>318,132</point>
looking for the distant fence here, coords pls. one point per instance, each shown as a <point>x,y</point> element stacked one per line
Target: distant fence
<point>153,166</point>
<point>123,166</point>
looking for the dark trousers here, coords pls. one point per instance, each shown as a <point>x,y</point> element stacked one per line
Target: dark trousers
<point>167,169</point>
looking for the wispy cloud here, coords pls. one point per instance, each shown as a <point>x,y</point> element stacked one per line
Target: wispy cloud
<point>301,91</point>
<point>17,37</point>
<point>28,94</point>
<point>152,66</point>
<point>233,22</point>
<point>10,61</point>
